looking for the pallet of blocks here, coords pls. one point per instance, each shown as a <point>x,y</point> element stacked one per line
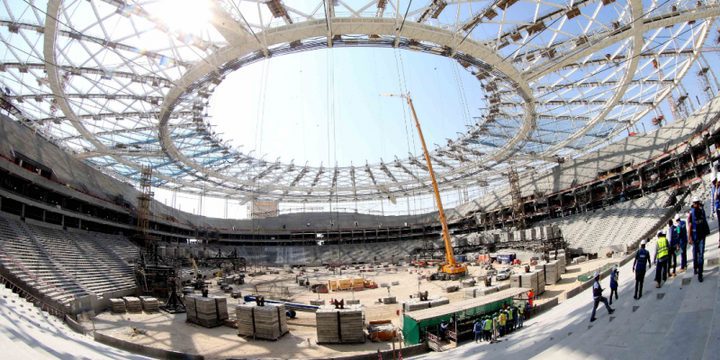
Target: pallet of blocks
<point>206,311</point>
<point>551,270</point>
<point>470,293</point>
<point>340,326</point>
<point>132,304</point>
<point>261,322</point>
<point>150,304</point>
<point>117,305</point>
<point>541,275</point>
<point>525,280</point>
<point>414,305</point>
<point>562,262</point>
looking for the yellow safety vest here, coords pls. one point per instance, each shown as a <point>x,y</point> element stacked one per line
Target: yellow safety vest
<point>662,247</point>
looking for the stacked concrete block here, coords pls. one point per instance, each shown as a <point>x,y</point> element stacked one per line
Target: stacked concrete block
<point>263,322</point>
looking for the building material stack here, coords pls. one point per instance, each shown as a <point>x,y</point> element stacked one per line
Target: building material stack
<point>551,270</point>
<point>340,326</point>
<point>261,322</point>
<point>206,311</point>
<point>562,262</point>
<point>526,280</point>
<point>132,304</point>
<point>117,305</point>
<point>416,304</point>
<point>150,304</point>
<point>542,280</point>
<point>474,292</point>
<point>470,293</point>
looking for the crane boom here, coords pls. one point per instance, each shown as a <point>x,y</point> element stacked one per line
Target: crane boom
<point>450,266</point>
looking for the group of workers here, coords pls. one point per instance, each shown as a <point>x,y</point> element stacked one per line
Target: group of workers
<point>670,244</point>
<point>674,242</point>
<point>490,327</point>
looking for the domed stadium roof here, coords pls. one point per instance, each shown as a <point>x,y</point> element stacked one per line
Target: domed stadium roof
<point>122,84</point>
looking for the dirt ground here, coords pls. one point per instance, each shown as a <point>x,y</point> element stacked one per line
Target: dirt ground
<point>168,331</point>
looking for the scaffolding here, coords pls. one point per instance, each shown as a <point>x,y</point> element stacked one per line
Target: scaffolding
<point>518,209</point>
<point>143,210</point>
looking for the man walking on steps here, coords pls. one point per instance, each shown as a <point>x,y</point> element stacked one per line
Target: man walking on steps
<point>681,229</point>
<point>698,229</point>
<point>661,259</point>
<point>674,245</point>
<point>598,298</point>
<point>614,275</point>
<point>640,265</point>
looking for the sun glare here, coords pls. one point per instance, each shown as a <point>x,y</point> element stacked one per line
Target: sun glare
<point>186,16</point>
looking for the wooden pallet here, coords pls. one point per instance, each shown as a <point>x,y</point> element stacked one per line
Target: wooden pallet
<point>132,304</point>
<point>117,305</point>
<point>340,326</point>
<point>261,322</point>
<point>206,311</point>
<point>150,304</point>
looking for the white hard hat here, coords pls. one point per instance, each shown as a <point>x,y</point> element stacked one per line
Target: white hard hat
<point>596,274</point>
<point>643,242</point>
<point>695,199</point>
<point>661,233</point>
<point>677,216</point>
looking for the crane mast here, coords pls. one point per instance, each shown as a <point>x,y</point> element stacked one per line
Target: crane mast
<point>450,267</point>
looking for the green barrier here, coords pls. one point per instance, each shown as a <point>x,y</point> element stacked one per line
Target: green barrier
<point>589,275</point>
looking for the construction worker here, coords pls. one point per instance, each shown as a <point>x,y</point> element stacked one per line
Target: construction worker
<point>487,328</point>
<point>598,298</point>
<point>614,275</point>
<point>640,265</point>
<point>516,316</point>
<point>510,320</point>
<point>681,229</point>
<point>443,330</point>
<point>531,297</point>
<point>698,229</point>
<point>661,259</point>
<point>502,319</point>
<point>496,327</point>
<point>477,330</point>
<point>674,246</point>
<point>521,315</point>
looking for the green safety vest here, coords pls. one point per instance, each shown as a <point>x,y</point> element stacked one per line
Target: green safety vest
<point>510,316</point>
<point>662,247</point>
<point>488,324</point>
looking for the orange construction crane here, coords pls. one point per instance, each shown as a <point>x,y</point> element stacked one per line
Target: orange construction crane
<point>450,267</point>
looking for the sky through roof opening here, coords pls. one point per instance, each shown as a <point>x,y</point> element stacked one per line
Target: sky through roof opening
<point>325,106</point>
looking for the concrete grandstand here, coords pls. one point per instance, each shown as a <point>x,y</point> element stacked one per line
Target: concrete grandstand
<point>555,161</point>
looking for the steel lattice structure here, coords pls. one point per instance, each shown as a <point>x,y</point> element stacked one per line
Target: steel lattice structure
<point>561,80</point>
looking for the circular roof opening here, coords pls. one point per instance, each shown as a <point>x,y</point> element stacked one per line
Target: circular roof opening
<point>328,106</point>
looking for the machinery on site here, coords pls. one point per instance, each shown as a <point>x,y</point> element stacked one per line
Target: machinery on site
<point>450,269</point>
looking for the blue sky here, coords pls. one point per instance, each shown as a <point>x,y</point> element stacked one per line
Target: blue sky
<point>286,106</point>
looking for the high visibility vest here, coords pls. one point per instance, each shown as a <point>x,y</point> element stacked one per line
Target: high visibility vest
<point>662,247</point>
<point>510,316</point>
<point>488,325</point>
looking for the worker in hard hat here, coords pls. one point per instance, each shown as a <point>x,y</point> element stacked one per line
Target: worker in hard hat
<point>614,279</point>
<point>598,298</point>
<point>698,229</point>
<point>661,258</point>
<point>640,265</point>
<point>681,228</point>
